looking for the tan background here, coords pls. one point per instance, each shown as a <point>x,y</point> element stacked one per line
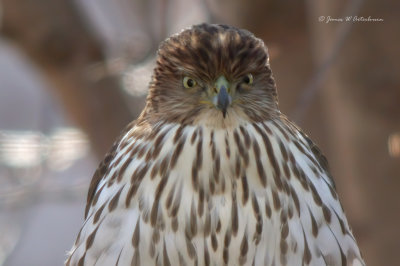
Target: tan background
<point>73,73</point>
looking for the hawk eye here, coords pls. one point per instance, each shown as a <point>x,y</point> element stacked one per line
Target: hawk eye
<point>189,82</point>
<point>248,79</point>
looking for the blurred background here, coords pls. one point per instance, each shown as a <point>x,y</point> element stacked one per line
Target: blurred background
<point>74,73</point>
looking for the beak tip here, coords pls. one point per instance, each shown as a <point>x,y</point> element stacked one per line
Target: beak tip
<point>223,100</point>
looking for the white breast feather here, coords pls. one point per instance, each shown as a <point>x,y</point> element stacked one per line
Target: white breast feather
<point>113,239</point>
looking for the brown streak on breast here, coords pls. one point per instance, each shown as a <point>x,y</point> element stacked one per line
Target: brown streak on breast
<point>283,151</point>
<point>285,135</point>
<point>216,168</point>
<point>243,153</point>
<point>123,168</point>
<point>314,226</point>
<point>268,210</point>
<point>154,170</point>
<point>114,201</point>
<point>90,239</point>
<point>214,242</point>
<point>166,261</point>
<point>178,133</point>
<point>271,156</point>
<point>234,214</point>
<point>245,189</point>
<point>200,207</point>
<point>342,226</point>
<point>225,253</point>
<point>141,151</point>
<point>286,170</point>
<point>227,148</point>
<point>212,144</point>
<point>314,192</point>
<point>111,180</point>
<point>197,163</point>
<point>206,255</point>
<point>136,180</point>
<point>190,249</point>
<point>260,168</point>
<point>257,215</point>
<point>327,213</point>
<point>177,202</point>
<point>101,170</point>
<point>295,200</point>
<point>244,247</point>
<point>158,144</point>
<point>246,137</point>
<point>194,136</point>
<point>207,224</point>
<point>158,193</point>
<point>193,220</point>
<point>81,261</point>
<point>164,165</point>
<point>276,200</point>
<point>170,196</point>
<point>237,166</point>
<point>177,152</point>
<point>97,195</point>
<point>307,253</point>
<point>136,234</point>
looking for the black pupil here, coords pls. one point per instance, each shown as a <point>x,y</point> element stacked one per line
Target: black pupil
<point>246,79</point>
<point>190,82</point>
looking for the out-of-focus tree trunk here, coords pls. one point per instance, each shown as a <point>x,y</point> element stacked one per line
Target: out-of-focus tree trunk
<point>338,109</point>
<point>369,70</point>
<point>361,99</point>
<point>55,37</point>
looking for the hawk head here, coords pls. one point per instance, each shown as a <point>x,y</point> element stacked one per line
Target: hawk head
<point>212,74</point>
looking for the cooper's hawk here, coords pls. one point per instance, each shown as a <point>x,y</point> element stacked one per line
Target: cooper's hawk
<point>212,173</point>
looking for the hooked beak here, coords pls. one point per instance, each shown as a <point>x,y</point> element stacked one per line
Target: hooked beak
<point>223,99</point>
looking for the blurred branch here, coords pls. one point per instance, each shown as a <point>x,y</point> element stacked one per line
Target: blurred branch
<point>314,84</point>
<point>57,40</point>
<point>339,112</point>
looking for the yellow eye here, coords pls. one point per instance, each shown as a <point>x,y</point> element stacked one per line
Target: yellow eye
<point>248,79</point>
<point>189,82</point>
